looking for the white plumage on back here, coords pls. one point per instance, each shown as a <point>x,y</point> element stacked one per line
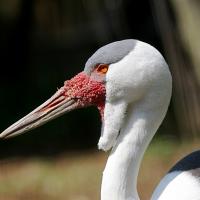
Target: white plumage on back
<point>178,185</point>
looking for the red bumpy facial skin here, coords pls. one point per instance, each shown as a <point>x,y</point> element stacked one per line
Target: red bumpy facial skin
<point>86,91</point>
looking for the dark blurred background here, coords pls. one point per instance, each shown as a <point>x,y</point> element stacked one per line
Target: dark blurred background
<point>45,42</point>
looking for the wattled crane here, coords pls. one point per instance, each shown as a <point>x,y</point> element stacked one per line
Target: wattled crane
<point>130,83</point>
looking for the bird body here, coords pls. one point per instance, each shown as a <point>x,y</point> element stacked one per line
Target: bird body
<point>130,83</point>
<point>178,185</point>
<point>182,181</point>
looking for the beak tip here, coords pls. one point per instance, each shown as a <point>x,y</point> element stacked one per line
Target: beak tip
<point>4,135</point>
<point>52,108</point>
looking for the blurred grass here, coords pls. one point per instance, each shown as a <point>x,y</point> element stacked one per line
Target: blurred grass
<point>77,176</point>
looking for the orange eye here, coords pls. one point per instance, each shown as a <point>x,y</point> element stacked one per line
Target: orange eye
<point>102,68</point>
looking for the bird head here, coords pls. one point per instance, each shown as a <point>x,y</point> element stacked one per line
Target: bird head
<point>115,76</point>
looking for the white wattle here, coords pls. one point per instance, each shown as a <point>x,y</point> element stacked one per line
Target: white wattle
<point>114,114</point>
<point>138,91</point>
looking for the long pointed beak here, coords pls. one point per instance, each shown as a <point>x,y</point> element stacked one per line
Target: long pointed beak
<point>78,92</point>
<point>57,105</point>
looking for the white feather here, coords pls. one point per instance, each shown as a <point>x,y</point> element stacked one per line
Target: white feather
<point>178,185</point>
<point>138,91</point>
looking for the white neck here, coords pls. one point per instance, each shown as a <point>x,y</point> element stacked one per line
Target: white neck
<point>121,171</point>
